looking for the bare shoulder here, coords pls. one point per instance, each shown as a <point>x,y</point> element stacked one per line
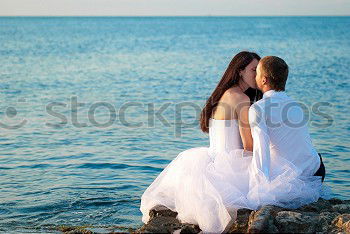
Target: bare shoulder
<point>235,96</point>
<point>231,102</point>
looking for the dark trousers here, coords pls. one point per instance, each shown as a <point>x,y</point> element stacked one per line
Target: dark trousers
<point>322,170</point>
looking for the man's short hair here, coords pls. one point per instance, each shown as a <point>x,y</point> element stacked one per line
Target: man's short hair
<point>275,70</point>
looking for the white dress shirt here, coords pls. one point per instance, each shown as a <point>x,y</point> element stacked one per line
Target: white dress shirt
<point>279,129</point>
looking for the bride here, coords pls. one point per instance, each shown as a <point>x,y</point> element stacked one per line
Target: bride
<point>207,185</point>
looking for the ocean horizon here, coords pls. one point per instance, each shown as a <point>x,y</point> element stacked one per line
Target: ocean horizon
<point>93,108</point>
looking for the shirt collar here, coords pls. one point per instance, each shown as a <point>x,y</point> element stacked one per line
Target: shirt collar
<point>272,93</point>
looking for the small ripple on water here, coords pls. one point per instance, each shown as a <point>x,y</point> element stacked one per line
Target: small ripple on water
<point>32,166</point>
<point>116,166</point>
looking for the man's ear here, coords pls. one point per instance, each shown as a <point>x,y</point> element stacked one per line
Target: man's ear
<point>264,80</point>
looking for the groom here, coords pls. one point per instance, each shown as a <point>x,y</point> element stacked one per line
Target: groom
<point>278,125</point>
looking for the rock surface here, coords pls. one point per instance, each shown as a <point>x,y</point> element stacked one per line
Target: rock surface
<point>323,216</point>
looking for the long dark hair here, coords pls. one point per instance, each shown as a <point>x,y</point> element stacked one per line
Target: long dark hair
<point>230,78</point>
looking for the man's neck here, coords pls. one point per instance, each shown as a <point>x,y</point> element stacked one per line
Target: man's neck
<point>265,89</point>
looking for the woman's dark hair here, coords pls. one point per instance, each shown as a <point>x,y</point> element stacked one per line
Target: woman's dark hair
<point>253,94</point>
<point>230,78</point>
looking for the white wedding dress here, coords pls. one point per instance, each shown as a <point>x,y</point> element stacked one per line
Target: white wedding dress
<point>206,185</point>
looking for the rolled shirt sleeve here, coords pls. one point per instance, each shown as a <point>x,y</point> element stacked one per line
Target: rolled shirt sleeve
<point>261,140</point>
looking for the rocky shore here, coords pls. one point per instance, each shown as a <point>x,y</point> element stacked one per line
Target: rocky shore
<point>323,216</point>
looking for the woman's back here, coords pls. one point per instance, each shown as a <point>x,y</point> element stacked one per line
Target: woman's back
<point>234,105</point>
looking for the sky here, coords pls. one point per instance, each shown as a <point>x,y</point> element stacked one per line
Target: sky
<point>172,7</point>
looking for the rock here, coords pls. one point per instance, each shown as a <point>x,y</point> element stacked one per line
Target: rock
<point>342,221</point>
<point>335,201</point>
<point>320,205</point>
<point>346,227</point>
<point>342,208</point>
<point>90,229</point>
<point>162,211</point>
<point>262,220</point>
<point>323,216</point>
<point>163,220</point>
<point>290,221</point>
<point>241,223</point>
<point>325,221</point>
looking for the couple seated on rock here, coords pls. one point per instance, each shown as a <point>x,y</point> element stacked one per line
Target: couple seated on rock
<point>260,151</point>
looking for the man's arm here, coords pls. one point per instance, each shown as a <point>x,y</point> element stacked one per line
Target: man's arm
<point>261,140</point>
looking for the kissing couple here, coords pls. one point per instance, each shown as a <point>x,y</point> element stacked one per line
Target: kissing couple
<point>260,151</point>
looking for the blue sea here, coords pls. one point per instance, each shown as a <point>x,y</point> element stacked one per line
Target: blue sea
<point>93,108</point>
